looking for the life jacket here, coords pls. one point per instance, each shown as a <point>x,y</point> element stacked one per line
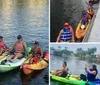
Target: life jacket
<point>2,45</point>
<point>71,29</point>
<point>66,35</point>
<point>90,76</point>
<point>84,17</point>
<point>35,59</point>
<point>90,8</point>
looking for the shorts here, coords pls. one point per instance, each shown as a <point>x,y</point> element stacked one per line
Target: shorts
<point>63,75</point>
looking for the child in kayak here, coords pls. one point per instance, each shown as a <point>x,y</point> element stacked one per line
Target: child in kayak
<point>66,34</point>
<point>19,49</point>
<point>91,9</point>
<point>36,52</point>
<point>85,19</point>
<point>62,72</point>
<point>3,46</point>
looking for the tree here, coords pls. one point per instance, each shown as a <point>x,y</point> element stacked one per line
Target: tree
<point>92,51</point>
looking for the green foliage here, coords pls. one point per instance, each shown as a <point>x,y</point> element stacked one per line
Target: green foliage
<point>90,53</point>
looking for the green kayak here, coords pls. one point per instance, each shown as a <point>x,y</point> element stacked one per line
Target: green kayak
<point>8,66</point>
<point>72,80</point>
<point>69,79</point>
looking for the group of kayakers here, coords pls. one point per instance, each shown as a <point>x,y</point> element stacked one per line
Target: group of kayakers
<point>67,33</point>
<point>19,50</point>
<point>91,73</point>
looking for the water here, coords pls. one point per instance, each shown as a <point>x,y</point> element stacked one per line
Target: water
<point>28,18</point>
<point>65,10</point>
<point>75,66</point>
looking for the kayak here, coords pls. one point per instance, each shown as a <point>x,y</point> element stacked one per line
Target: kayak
<point>80,33</point>
<point>8,66</point>
<point>2,56</point>
<point>40,65</point>
<point>72,80</point>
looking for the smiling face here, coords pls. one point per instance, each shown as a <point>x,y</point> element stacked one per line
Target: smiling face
<point>64,65</point>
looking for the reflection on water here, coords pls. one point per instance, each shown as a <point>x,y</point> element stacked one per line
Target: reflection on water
<point>34,78</point>
<point>30,19</point>
<point>65,10</point>
<point>26,17</point>
<point>74,65</point>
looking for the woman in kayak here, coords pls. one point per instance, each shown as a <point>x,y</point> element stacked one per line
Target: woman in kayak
<point>91,73</point>
<point>62,72</point>
<point>3,46</point>
<point>36,52</point>
<point>66,34</point>
<point>85,19</point>
<point>19,49</point>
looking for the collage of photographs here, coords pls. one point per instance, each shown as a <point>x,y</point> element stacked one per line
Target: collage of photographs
<point>49,42</point>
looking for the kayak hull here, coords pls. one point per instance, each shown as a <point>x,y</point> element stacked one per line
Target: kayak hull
<point>73,80</point>
<point>69,80</point>
<point>8,66</point>
<point>29,68</point>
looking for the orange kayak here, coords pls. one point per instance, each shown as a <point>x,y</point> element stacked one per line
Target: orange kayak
<point>41,64</point>
<point>80,33</point>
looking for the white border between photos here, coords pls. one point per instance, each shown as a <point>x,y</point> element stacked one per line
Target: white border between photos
<point>49,39</point>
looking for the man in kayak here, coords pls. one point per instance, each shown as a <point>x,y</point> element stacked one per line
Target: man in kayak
<point>19,49</point>
<point>36,52</point>
<point>62,72</point>
<point>3,46</point>
<point>66,34</point>
<point>91,73</point>
<point>85,19</point>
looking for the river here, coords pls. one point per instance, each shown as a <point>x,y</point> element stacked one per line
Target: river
<point>74,65</point>
<point>65,10</point>
<point>30,19</point>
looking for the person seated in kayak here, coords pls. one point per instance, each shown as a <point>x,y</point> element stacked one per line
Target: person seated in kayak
<point>3,47</point>
<point>36,52</point>
<point>91,73</point>
<point>85,19</point>
<point>19,49</point>
<point>66,34</point>
<point>91,9</point>
<point>62,72</point>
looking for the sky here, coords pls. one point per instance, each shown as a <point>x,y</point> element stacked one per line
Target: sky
<point>73,47</point>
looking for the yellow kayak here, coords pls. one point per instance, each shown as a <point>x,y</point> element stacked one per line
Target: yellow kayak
<point>80,33</point>
<point>41,64</point>
<point>2,56</point>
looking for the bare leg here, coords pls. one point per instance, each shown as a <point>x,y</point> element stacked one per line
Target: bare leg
<point>1,51</point>
<point>61,41</point>
<point>31,60</point>
<point>10,57</point>
<point>17,55</point>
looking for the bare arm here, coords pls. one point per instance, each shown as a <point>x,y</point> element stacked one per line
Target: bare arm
<point>58,38</point>
<point>41,53</point>
<point>91,72</point>
<point>25,47</point>
<point>72,36</point>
